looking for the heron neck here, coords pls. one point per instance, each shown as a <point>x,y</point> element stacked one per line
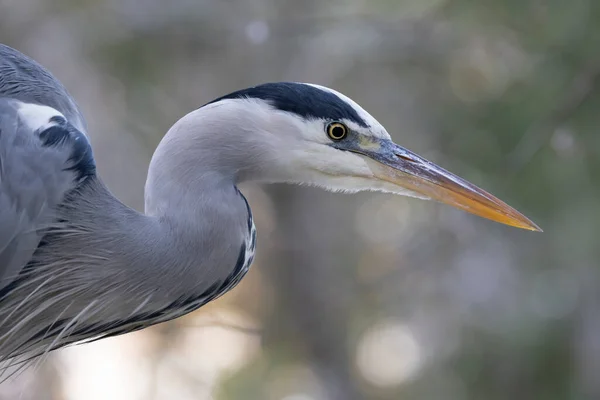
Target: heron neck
<point>217,146</point>
<point>183,252</point>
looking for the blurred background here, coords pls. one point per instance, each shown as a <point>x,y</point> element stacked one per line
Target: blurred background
<point>368,296</point>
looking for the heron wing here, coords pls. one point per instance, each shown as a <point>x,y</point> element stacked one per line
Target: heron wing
<point>22,78</point>
<point>43,155</point>
<point>34,178</point>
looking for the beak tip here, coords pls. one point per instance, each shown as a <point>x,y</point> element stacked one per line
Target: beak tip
<point>536,228</point>
<point>526,223</point>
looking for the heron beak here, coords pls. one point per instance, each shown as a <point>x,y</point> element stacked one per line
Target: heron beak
<point>404,168</point>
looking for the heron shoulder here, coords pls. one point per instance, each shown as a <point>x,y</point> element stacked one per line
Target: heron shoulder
<point>53,130</point>
<point>24,79</point>
<point>42,158</point>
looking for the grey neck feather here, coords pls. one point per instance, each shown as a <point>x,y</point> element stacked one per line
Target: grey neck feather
<point>189,241</point>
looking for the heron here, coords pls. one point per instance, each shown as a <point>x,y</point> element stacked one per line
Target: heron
<point>78,265</point>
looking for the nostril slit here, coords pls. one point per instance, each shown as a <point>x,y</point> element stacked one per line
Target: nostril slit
<point>405,158</point>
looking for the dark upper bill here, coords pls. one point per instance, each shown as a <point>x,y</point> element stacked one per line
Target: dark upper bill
<point>406,169</point>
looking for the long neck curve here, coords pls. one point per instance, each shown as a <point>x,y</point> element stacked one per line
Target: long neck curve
<point>214,148</point>
<point>191,189</point>
<point>131,270</point>
<point>196,234</point>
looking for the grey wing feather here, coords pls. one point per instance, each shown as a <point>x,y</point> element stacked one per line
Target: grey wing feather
<point>33,181</point>
<point>22,78</point>
<point>43,155</point>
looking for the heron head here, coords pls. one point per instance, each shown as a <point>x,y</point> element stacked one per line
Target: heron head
<point>317,136</point>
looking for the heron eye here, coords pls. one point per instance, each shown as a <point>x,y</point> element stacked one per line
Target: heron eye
<point>337,131</point>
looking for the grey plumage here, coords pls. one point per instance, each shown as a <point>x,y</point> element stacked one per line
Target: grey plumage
<point>61,228</point>
<point>29,192</point>
<point>23,79</point>
<point>77,265</point>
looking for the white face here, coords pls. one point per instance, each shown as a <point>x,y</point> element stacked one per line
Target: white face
<point>310,158</point>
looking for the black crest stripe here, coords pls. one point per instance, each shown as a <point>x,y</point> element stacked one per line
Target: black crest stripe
<point>304,100</point>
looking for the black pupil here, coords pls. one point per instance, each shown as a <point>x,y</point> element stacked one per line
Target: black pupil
<point>338,132</point>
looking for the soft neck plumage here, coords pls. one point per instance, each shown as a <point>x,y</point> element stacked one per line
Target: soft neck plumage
<point>188,243</point>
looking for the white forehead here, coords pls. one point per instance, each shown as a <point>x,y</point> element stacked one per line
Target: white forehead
<point>375,128</point>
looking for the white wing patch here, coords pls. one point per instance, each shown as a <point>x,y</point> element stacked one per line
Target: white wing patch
<point>37,117</point>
